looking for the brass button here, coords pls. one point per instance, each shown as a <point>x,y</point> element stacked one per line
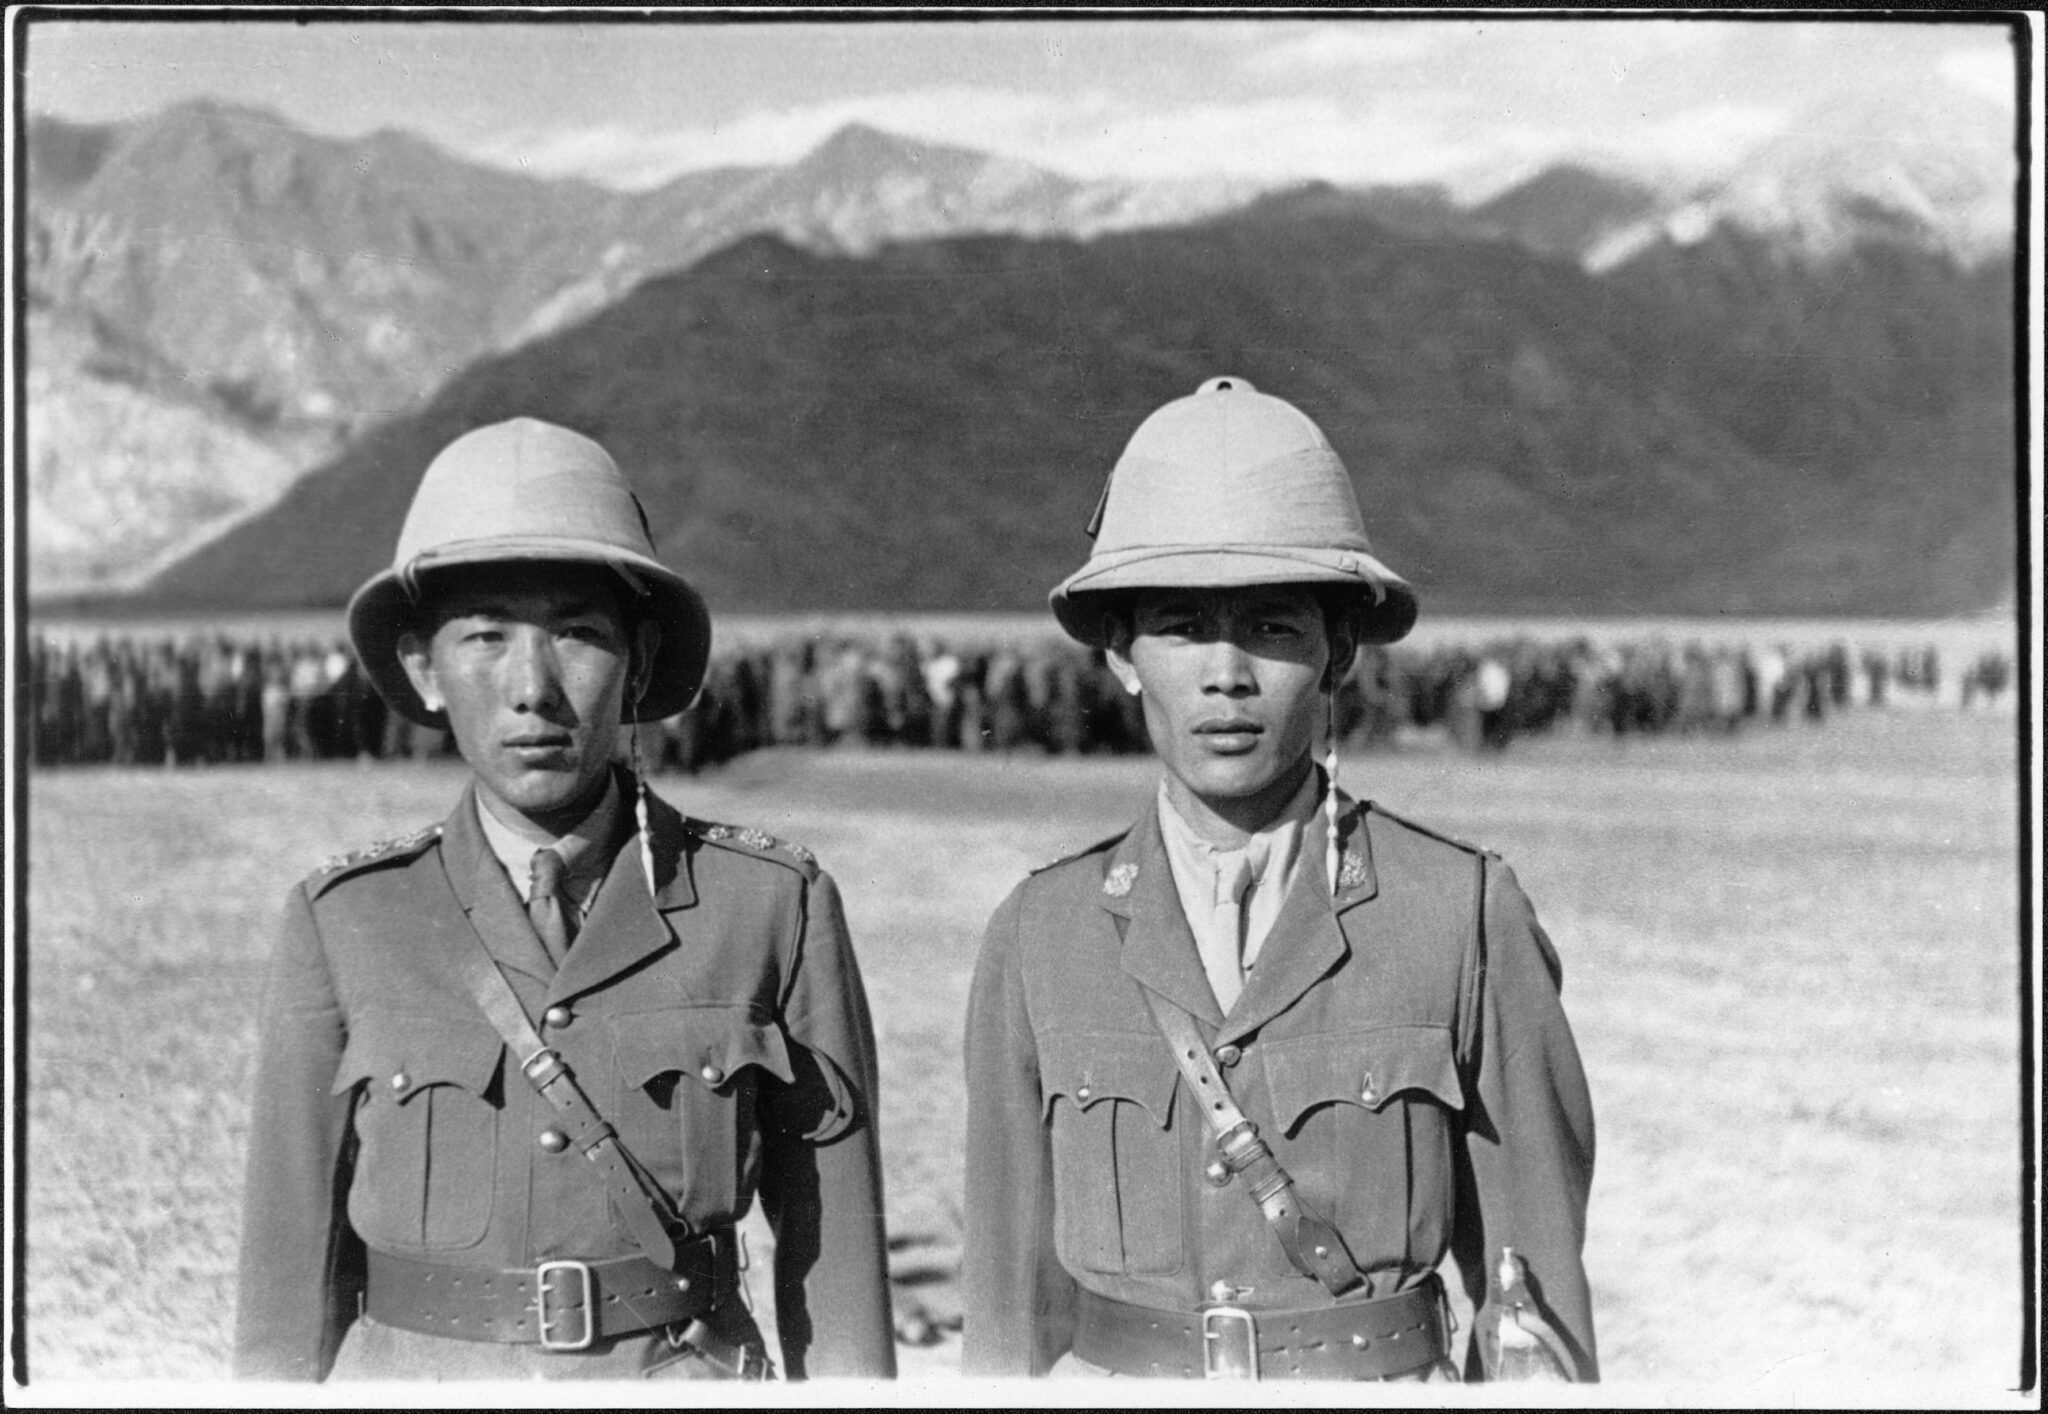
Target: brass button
<point>1221,1290</point>
<point>558,1016</point>
<point>400,1080</point>
<point>1218,1173</point>
<point>1227,1056</point>
<point>553,1140</point>
<point>682,1283</point>
<point>1083,1093</point>
<point>712,1074</point>
<point>1369,1094</point>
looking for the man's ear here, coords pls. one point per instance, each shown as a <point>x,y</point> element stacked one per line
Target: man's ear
<point>1343,649</point>
<point>1126,673</point>
<point>416,657</point>
<point>646,643</point>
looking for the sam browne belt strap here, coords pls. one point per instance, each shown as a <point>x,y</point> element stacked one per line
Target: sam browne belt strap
<point>1306,1236</point>
<point>637,1198</point>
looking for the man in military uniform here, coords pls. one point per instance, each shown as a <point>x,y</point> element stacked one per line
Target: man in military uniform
<point>1240,1078</point>
<point>521,1072</point>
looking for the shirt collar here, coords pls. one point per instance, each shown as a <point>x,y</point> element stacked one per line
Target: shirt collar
<point>585,856</point>
<point>1188,851</point>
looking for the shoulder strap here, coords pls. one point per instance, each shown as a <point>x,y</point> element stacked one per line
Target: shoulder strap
<point>647,1210</point>
<point>1307,1238</point>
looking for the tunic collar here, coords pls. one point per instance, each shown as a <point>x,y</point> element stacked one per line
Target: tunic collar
<point>586,849</point>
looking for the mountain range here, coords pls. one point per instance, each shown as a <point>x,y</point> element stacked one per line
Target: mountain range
<point>220,304</point>
<point>1710,429</point>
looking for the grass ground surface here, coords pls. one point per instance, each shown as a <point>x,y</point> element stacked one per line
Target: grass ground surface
<point>1791,961</point>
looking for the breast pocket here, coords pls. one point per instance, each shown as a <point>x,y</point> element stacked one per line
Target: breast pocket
<point>427,1123</point>
<point>1115,1152</point>
<point>690,1078</point>
<point>1366,1120</point>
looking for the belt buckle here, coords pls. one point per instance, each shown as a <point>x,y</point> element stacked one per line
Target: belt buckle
<point>1230,1344</point>
<point>548,1340</point>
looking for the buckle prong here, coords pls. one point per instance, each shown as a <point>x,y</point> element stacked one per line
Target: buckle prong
<point>1230,1344</point>
<point>586,1304</point>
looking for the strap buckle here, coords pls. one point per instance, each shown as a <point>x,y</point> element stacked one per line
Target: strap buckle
<point>1230,1344</point>
<point>542,1067</point>
<point>582,1310</point>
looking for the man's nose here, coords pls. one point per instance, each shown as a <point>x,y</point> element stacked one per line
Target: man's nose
<point>533,680</point>
<point>1227,667</point>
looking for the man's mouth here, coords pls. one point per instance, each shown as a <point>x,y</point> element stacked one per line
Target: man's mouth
<point>1230,736</point>
<point>537,748</point>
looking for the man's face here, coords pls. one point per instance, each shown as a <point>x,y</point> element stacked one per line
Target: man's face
<point>1231,685</point>
<point>531,664</point>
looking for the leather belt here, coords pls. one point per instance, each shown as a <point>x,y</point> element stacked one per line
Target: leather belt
<point>560,1305</point>
<point>1402,1334</point>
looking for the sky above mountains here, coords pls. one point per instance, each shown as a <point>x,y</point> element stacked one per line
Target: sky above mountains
<point>1473,103</point>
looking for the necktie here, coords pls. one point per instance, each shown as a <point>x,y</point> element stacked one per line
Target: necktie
<point>1237,873</point>
<point>544,904</point>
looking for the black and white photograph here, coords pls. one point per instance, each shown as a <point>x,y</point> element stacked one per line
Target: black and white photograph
<point>955,706</point>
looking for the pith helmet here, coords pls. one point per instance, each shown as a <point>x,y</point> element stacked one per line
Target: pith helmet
<point>1229,487</point>
<point>529,490</point>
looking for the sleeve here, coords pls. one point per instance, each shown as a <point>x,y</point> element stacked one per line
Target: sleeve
<point>1527,1158</point>
<point>1019,1304</point>
<point>821,1180</point>
<point>301,1264</point>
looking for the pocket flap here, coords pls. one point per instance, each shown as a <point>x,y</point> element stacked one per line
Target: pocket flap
<point>1090,1067</point>
<point>401,1055</point>
<point>1364,1068</point>
<point>711,1044</point>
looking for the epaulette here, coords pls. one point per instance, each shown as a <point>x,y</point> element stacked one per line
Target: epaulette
<point>342,865</point>
<point>1426,831</point>
<point>1096,848</point>
<point>761,844</point>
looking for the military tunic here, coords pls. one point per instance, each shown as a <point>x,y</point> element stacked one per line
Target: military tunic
<point>1401,1046</point>
<point>719,1023</point>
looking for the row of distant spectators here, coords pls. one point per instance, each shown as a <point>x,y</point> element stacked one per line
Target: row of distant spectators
<point>213,699</point>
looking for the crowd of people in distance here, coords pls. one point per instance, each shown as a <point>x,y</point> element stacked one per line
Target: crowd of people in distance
<point>210,699</point>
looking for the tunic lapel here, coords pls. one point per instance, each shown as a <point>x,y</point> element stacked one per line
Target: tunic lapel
<point>486,895</point>
<point>627,925</point>
<point>1158,947</point>
<point>1307,941</point>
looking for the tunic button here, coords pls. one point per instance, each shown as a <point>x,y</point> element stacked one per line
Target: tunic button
<point>1227,1056</point>
<point>553,1140</point>
<point>1218,1173</point>
<point>712,1074</point>
<point>558,1016</point>
<point>1220,1290</point>
<point>400,1080</point>
<point>1083,1093</point>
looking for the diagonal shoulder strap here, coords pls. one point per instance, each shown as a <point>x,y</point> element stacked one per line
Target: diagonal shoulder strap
<point>1307,1237</point>
<point>639,1200</point>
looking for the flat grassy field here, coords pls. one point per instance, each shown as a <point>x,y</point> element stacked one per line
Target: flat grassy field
<point>1791,959</point>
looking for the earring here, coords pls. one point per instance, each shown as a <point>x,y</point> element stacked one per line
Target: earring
<point>640,810</point>
<point>1331,849</point>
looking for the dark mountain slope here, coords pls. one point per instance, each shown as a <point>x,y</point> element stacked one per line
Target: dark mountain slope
<point>928,428</point>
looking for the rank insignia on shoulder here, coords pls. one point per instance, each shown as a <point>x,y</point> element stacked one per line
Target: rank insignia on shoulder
<point>1118,881</point>
<point>1071,855</point>
<point>396,845</point>
<point>758,840</point>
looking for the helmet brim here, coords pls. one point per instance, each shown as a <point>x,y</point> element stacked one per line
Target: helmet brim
<point>380,613</point>
<point>1387,603</point>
